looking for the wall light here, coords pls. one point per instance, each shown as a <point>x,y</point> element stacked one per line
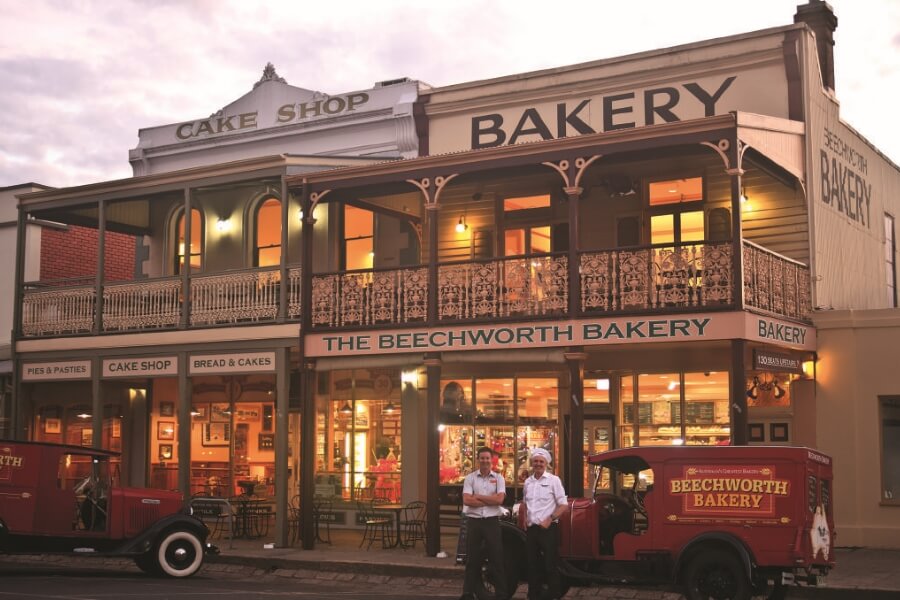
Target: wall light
<point>809,368</point>
<point>461,225</point>
<point>223,225</point>
<point>745,201</point>
<point>410,376</point>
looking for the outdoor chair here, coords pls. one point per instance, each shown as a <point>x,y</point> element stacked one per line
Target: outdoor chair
<point>323,514</point>
<point>412,525</point>
<point>377,526</point>
<point>294,519</point>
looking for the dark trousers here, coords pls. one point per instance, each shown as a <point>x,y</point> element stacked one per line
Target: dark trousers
<point>483,540</point>
<point>542,547</point>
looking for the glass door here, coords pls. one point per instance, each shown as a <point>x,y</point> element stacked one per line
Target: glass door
<point>598,436</point>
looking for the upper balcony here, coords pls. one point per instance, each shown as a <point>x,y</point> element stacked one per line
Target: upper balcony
<point>557,230</point>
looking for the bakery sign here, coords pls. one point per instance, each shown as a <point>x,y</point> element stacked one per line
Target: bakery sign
<point>745,490</point>
<point>244,362</point>
<point>764,360</point>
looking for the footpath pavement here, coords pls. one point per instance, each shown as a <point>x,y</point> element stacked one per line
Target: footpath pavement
<point>861,573</point>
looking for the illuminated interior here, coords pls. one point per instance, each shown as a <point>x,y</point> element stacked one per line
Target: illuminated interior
<point>268,233</point>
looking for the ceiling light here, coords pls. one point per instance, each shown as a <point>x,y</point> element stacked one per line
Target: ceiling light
<point>603,384</point>
<point>346,409</point>
<point>389,408</point>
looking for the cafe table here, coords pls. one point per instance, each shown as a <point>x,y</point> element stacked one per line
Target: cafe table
<point>395,508</point>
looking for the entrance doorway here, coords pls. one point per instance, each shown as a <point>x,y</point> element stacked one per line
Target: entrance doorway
<point>598,437</point>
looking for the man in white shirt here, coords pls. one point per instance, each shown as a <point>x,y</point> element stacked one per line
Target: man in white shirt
<point>483,494</point>
<point>545,501</point>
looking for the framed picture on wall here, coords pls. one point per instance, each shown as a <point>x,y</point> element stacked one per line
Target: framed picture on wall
<point>167,409</point>
<point>87,437</point>
<point>165,430</point>
<point>115,430</point>
<point>219,412</point>
<point>200,412</point>
<point>241,433</point>
<point>165,452</point>
<point>52,426</point>
<point>247,414</point>
<point>266,441</point>
<point>756,432</point>
<point>216,434</point>
<point>778,432</point>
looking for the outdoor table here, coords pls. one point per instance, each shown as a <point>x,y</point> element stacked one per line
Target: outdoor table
<point>397,509</point>
<point>247,512</point>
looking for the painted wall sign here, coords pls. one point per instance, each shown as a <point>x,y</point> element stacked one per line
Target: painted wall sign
<point>144,366</point>
<point>844,185</point>
<point>622,330</point>
<point>245,362</point>
<point>609,112</point>
<point>782,333</point>
<point>743,490</point>
<point>56,371</point>
<point>773,361</point>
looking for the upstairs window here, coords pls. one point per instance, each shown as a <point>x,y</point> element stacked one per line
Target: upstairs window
<point>268,233</point>
<point>195,255</point>
<point>674,215</point>
<point>359,238</point>
<point>890,261</point>
<point>528,227</point>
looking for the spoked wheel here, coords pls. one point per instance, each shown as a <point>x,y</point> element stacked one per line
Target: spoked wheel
<point>716,575</point>
<point>179,554</point>
<point>486,589</point>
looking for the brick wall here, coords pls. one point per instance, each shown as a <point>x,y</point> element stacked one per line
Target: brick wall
<point>73,253</point>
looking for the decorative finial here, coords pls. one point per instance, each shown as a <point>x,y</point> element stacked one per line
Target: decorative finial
<point>269,74</point>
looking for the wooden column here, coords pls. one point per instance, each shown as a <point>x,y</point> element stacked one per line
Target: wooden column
<point>307,381</point>
<point>575,359</point>
<point>432,456</point>
<point>17,407</point>
<point>184,424</point>
<point>101,267</point>
<point>574,195</point>
<point>737,235</point>
<point>186,267</point>
<point>738,394</point>
<point>431,214</point>
<point>283,278</point>
<point>281,447</point>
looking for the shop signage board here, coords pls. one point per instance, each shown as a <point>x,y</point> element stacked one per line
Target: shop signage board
<point>56,371</point>
<point>143,366</point>
<point>620,330</point>
<point>763,360</point>
<point>242,362</point>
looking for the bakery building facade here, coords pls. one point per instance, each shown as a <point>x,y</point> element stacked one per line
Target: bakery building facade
<point>632,251</point>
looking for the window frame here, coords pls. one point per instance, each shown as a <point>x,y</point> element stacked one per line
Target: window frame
<point>178,219</point>
<point>256,247</point>
<point>883,401</point>
<point>890,248</point>
<point>675,209</point>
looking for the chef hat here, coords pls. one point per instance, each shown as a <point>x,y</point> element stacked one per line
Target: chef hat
<point>542,453</point>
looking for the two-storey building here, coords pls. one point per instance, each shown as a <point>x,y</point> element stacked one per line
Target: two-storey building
<point>631,251</point>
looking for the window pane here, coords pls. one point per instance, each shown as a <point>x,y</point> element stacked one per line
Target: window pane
<point>540,239</point>
<point>662,229</point>
<point>502,441</point>
<point>360,254</point>
<point>659,408</point>
<point>457,452</point>
<point>676,190</point>
<point>494,399</point>
<point>358,222</point>
<point>596,391</point>
<point>196,240</point>
<point>538,399</point>
<point>626,412</point>
<point>890,449</point>
<point>268,232</point>
<point>706,415</point>
<point>515,242</point>
<point>526,202</point>
<point>692,226</point>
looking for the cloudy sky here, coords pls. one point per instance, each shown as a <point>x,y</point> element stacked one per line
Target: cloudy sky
<point>80,77</point>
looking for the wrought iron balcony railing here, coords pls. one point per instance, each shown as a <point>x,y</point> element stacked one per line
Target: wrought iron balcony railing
<point>692,276</point>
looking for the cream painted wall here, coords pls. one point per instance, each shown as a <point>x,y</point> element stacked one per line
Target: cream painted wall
<point>857,363</point>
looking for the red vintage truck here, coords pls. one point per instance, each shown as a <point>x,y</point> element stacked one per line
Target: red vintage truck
<point>722,522</point>
<point>63,499</point>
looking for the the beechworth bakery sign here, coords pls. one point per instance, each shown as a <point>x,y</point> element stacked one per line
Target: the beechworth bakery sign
<point>633,330</point>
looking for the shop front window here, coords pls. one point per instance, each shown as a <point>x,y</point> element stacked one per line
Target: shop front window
<point>232,435</point>
<point>889,409</point>
<point>511,416</point>
<point>358,439</point>
<point>672,409</point>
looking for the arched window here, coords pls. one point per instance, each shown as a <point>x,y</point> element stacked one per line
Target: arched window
<point>268,233</point>
<point>196,251</point>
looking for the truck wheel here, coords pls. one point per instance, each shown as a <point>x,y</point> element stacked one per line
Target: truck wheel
<point>179,553</point>
<point>512,560</point>
<point>716,575</point>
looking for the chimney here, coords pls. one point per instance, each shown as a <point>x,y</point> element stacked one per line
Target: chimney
<point>819,16</point>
